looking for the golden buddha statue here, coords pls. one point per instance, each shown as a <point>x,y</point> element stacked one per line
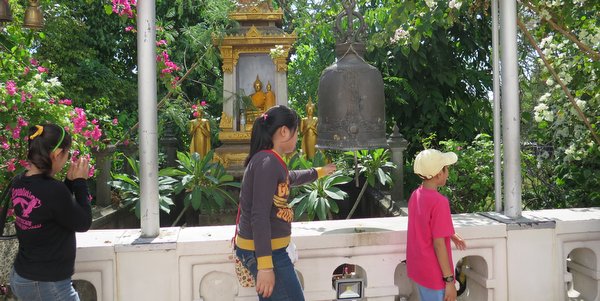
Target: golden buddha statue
<point>270,97</point>
<point>200,131</point>
<point>259,100</point>
<point>308,128</point>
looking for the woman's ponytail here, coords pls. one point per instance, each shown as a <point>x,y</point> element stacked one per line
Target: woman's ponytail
<point>265,126</point>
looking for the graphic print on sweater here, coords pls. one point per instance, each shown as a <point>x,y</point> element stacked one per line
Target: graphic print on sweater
<point>280,201</point>
<point>27,202</point>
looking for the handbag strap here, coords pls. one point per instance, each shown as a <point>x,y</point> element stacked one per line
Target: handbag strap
<point>4,208</point>
<point>237,222</point>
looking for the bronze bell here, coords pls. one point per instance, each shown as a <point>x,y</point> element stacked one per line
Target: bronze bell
<point>351,96</point>
<point>33,15</point>
<point>5,14</point>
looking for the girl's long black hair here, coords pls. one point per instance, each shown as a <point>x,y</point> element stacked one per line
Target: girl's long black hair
<point>42,145</point>
<point>265,126</point>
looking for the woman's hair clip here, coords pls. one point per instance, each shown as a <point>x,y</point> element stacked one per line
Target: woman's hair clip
<point>39,131</point>
<point>264,116</point>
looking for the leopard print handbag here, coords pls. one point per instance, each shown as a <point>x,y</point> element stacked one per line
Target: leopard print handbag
<point>244,276</point>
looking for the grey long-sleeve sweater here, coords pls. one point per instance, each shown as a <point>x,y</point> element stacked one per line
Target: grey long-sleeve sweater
<point>265,218</point>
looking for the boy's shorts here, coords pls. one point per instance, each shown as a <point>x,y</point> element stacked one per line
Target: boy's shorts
<point>427,294</point>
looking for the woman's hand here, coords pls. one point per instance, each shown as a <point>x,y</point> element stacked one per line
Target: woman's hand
<point>265,282</point>
<point>329,168</point>
<point>79,169</point>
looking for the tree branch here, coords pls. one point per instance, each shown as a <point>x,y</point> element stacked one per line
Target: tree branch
<point>558,80</point>
<point>583,47</point>
<point>162,101</point>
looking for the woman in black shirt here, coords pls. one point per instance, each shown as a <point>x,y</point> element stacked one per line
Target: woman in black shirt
<point>47,217</point>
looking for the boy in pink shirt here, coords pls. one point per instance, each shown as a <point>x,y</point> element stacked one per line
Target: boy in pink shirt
<point>430,229</point>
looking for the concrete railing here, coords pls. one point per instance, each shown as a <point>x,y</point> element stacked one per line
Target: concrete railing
<point>548,255</point>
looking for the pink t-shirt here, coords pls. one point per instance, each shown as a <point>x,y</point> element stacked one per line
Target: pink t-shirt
<point>428,218</point>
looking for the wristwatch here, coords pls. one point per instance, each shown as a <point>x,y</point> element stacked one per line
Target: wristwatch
<point>448,279</point>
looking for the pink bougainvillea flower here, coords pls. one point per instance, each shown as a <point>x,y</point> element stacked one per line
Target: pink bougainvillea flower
<point>42,69</point>
<point>33,62</point>
<point>174,82</point>
<point>129,28</point>
<point>115,121</point>
<point>24,163</point>
<point>196,114</point>
<point>96,133</point>
<point>79,120</point>
<point>22,122</point>
<point>11,87</point>
<point>5,146</point>
<point>66,102</point>
<point>203,103</point>
<point>161,42</point>
<point>16,133</point>
<point>126,142</point>
<point>26,71</point>
<point>92,171</point>
<point>10,165</point>
<point>51,101</point>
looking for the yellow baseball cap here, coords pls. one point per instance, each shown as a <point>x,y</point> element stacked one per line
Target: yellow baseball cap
<point>430,162</point>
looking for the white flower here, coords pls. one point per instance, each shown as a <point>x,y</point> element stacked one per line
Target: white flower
<point>276,52</point>
<point>545,97</point>
<point>431,3</point>
<point>570,150</point>
<point>541,107</point>
<point>548,116</point>
<point>400,34</point>
<point>550,82</point>
<point>37,77</point>
<point>544,14</point>
<point>455,4</point>
<point>581,103</point>
<point>54,82</point>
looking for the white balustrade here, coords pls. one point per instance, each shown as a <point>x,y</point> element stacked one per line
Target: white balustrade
<point>558,261</point>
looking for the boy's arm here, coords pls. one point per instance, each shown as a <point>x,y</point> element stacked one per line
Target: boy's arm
<point>459,242</point>
<point>439,245</point>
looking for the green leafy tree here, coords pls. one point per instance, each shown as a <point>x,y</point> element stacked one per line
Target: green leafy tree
<point>560,94</point>
<point>433,56</point>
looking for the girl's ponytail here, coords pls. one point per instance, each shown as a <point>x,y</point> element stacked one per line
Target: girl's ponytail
<point>265,126</point>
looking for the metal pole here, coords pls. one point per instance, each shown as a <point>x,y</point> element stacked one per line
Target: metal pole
<point>510,109</point>
<point>147,107</point>
<point>497,117</point>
